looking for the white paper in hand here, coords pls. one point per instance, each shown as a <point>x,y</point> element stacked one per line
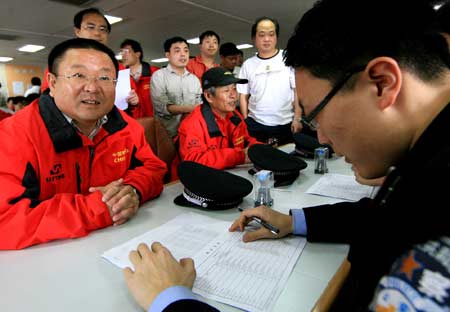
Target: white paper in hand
<point>123,88</point>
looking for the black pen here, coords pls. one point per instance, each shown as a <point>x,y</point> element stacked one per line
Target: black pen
<point>263,223</point>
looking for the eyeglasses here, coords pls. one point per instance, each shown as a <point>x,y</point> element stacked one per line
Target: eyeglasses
<point>79,79</point>
<point>93,27</point>
<point>124,51</point>
<point>310,119</point>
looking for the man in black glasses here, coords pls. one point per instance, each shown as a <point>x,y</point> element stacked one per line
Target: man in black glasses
<point>374,80</point>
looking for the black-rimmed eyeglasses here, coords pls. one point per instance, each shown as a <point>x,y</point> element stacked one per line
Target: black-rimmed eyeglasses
<point>309,120</point>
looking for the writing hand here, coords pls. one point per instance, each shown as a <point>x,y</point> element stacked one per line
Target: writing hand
<point>281,221</point>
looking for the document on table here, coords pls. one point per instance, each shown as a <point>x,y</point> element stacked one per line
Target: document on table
<point>341,186</point>
<point>250,276</point>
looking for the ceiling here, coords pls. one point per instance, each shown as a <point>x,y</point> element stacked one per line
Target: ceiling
<point>48,22</point>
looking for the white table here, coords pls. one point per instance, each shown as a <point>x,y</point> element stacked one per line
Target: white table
<point>70,275</point>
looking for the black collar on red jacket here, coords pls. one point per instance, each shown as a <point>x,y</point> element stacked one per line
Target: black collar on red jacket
<point>146,71</point>
<point>210,119</point>
<point>64,136</point>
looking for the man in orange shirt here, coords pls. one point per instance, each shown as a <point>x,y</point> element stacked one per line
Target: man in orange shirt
<point>209,45</point>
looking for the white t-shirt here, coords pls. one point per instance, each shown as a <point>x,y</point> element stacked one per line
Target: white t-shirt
<point>33,89</point>
<point>271,87</point>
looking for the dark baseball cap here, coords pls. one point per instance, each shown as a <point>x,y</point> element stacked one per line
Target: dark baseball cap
<point>219,77</point>
<point>228,48</point>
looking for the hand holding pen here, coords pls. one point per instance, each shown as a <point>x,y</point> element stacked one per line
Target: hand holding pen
<point>263,223</point>
<point>274,224</point>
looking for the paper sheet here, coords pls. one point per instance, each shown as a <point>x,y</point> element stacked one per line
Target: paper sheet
<point>340,186</point>
<point>123,88</point>
<point>249,276</point>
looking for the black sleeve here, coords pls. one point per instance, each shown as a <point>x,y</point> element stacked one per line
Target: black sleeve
<point>189,305</point>
<point>336,223</point>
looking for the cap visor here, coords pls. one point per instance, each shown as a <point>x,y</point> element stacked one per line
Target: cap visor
<point>180,200</point>
<point>231,80</point>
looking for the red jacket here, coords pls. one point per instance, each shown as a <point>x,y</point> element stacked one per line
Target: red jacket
<point>142,88</point>
<point>197,67</point>
<point>4,115</point>
<point>48,167</point>
<point>206,138</point>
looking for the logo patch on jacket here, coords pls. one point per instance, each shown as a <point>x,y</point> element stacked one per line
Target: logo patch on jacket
<point>193,143</point>
<point>120,156</point>
<point>239,140</point>
<point>55,174</point>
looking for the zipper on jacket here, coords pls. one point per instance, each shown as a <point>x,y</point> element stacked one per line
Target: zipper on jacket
<point>91,156</point>
<point>77,169</point>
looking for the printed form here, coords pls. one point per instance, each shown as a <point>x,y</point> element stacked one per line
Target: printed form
<point>341,186</point>
<point>250,276</point>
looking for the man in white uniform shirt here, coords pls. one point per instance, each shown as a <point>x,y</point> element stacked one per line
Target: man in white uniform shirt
<point>269,100</point>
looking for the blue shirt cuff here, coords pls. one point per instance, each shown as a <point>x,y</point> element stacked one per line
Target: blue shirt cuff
<point>299,220</point>
<point>169,295</point>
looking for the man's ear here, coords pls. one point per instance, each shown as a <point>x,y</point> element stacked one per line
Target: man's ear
<point>385,74</point>
<point>77,31</point>
<point>207,96</point>
<point>167,54</point>
<point>51,78</point>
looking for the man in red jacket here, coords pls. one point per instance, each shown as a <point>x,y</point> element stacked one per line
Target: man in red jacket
<point>214,134</point>
<point>141,73</point>
<point>73,162</point>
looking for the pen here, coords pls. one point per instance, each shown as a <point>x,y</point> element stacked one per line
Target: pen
<point>263,223</point>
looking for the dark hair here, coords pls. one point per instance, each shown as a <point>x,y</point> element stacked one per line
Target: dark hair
<point>11,98</point>
<point>57,53</point>
<point>209,33</point>
<point>31,97</point>
<point>228,48</point>
<point>443,18</point>
<point>136,46</point>
<point>265,18</point>
<point>336,36</point>
<point>36,81</point>
<point>78,18</point>
<point>19,100</point>
<point>168,43</point>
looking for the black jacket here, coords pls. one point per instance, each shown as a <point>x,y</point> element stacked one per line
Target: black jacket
<point>410,208</point>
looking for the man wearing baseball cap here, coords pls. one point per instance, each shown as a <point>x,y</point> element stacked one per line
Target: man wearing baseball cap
<point>215,134</point>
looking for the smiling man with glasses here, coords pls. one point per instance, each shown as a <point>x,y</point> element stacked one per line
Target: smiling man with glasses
<point>73,162</point>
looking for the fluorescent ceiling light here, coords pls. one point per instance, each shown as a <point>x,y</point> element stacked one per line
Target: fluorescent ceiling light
<point>5,59</point>
<point>31,48</point>
<point>119,56</point>
<point>194,40</point>
<point>244,46</point>
<point>113,19</point>
<point>160,60</point>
